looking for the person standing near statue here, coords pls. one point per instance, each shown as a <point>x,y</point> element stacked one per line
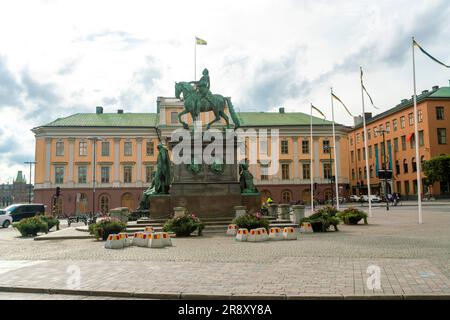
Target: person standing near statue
<point>203,86</point>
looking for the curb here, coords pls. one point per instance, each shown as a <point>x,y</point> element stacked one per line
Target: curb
<point>197,296</point>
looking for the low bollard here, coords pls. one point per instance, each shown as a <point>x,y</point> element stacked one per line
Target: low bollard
<point>167,242</point>
<point>276,234</point>
<point>114,242</point>
<point>289,233</point>
<point>125,239</point>
<point>255,235</point>
<point>306,227</point>
<point>155,240</point>
<point>137,239</point>
<point>232,230</point>
<point>242,235</point>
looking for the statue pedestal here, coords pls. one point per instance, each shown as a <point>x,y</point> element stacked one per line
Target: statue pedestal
<point>160,206</point>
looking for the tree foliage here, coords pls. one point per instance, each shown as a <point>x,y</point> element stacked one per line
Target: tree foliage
<point>437,169</point>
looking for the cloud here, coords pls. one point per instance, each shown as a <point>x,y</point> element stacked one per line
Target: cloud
<point>10,88</point>
<point>121,38</point>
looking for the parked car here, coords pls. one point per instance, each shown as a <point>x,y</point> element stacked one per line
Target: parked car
<point>22,211</point>
<point>355,198</point>
<point>5,219</point>
<point>373,198</point>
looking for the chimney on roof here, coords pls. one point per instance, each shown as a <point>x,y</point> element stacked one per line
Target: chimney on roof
<point>357,120</point>
<point>368,115</point>
<point>435,88</point>
<point>425,91</point>
<point>281,109</point>
<point>99,110</point>
<point>120,111</point>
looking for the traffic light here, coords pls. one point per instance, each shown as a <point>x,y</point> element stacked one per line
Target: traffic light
<point>58,191</point>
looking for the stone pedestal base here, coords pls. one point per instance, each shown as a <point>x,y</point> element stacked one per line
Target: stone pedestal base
<point>160,206</point>
<point>252,201</point>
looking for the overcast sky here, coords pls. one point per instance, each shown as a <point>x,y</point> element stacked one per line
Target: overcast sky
<point>62,57</point>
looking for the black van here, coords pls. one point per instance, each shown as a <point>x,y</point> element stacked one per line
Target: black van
<point>22,211</point>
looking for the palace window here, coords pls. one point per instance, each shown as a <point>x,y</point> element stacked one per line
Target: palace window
<point>371,171</point>
<point>353,174</point>
<point>395,124</point>
<point>414,164</point>
<point>402,122</point>
<point>407,187</point>
<point>105,148</point>
<point>411,119</point>
<point>352,156</point>
<point>403,143</point>
<point>388,127</point>
<point>284,147</point>
<point>60,148</point>
<point>395,144</point>
<point>264,173</point>
<point>127,149</point>
<point>405,166</point>
<point>370,152</point>
<point>327,170</point>
<point>82,174</point>
<point>364,153</point>
<point>359,154</point>
<point>174,117</point>
<point>369,134</point>
<point>306,171</point>
<point>286,196</point>
<point>104,203</point>
<point>105,174</point>
<point>442,135</point>
<point>375,132</point>
<point>421,141</point>
<point>305,147</point>
<point>285,171</point>
<point>440,113</point>
<point>150,148</point>
<point>326,146</point>
<point>419,116</point>
<point>83,148</point>
<point>127,174</point>
<point>399,187</point>
<point>148,174</point>
<point>59,175</point>
<point>397,167</point>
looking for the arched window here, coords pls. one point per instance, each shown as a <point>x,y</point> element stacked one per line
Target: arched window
<point>104,203</point>
<point>365,172</point>
<point>127,201</point>
<point>414,164</point>
<point>405,166</point>
<point>397,167</point>
<point>328,194</point>
<point>286,196</point>
<point>306,196</point>
<point>82,203</point>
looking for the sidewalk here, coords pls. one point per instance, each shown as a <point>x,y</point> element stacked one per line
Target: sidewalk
<point>287,278</point>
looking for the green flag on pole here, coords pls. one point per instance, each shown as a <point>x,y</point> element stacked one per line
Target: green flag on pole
<point>200,42</point>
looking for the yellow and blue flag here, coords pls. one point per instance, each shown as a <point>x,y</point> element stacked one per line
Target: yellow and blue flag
<point>200,42</point>
<point>346,109</point>
<point>429,55</point>
<point>365,90</point>
<point>320,112</point>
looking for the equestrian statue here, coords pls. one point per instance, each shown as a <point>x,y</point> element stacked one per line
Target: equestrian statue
<point>198,98</point>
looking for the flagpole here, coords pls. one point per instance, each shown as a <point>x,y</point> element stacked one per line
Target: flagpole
<point>311,171</point>
<point>366,149</point>
<point>416,133</point>
<point>195,58</point>
<point>335,157</point>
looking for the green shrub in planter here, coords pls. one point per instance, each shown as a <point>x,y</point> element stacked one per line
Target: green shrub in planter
<point>250,221</point>
<point>51,221</point>
<point>184,226</point>
<point>352,216</point>
<point>30,227</point>
<point>107,226</point>
<point>323,219</point>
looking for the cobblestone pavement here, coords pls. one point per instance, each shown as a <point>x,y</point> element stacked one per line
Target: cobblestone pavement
<point>413,259</point>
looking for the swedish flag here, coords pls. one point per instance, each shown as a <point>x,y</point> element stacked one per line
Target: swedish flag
<point>200,42</point>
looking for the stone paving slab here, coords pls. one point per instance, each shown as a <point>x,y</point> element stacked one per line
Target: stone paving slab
<point>293,277</point>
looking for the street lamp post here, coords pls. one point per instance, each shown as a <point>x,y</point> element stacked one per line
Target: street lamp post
<point>328,148</point>
<point>31,186</point>
<point>383,132</point>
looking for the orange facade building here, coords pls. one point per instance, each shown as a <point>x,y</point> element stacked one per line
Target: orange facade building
<point>399,145</point>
